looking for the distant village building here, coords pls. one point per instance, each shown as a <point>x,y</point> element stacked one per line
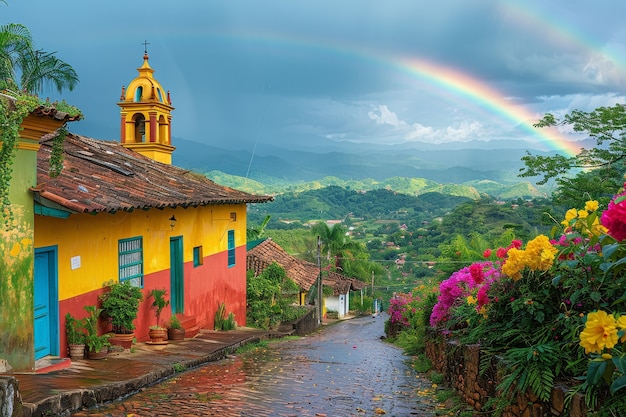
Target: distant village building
<point>264,252</point>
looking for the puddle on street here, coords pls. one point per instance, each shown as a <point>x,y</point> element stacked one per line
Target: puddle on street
<point>305,377</point>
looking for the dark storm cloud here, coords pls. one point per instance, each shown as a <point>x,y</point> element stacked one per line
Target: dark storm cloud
<point>331,71</point>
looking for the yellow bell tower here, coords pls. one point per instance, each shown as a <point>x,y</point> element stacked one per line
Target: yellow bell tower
<point>146,116</point>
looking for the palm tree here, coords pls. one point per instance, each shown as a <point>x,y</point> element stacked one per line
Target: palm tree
<point>36,69</point>
<point>335,243</point>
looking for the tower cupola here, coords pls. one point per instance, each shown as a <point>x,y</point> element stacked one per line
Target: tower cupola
<point>146,116</point>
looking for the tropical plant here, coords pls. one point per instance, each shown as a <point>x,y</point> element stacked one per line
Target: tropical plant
<point>159,303</point>
<point>93,341</point>
<point>268,294</point>
<point>223,322</point>
<point>336,246</point>
<point>75,330</point>
<point>528,304</point>
<point>175,323</point>
<point>120,304</point>
<point>254,233</point>
<point>36,68</point>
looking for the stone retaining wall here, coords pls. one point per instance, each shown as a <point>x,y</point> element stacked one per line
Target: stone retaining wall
<point>460,367</point>
<point>307,323</point>
<point>10,399</point>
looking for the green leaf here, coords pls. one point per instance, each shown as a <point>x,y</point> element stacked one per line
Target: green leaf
<point>596,296</point>
<point>618,384</point>
<point>609,250</point>
<point>620,363</point>
<point>595,371</point>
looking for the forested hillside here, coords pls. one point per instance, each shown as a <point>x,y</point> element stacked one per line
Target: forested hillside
<point>407,185</point>
<point>337,203</point>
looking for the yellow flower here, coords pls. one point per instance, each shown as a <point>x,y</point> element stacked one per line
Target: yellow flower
<point>621,324</point>
<point>591,205</point>
<point>582,214</point>
<point>471,299</point>
<point>514,263</point>
<point>600,332</point>
<point>570,214</point>
<point>598,229</point>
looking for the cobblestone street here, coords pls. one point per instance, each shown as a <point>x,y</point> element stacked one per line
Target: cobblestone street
<point>343,370</point>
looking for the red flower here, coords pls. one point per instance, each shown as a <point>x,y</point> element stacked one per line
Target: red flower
<point>487,253</point>
<point>501,253</point>
<point>478,275</point>
<point>614,218</point>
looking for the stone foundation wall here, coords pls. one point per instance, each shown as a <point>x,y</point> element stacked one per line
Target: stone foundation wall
<point>10,399</point>
<point>460,367</point>
<point>306,324</point>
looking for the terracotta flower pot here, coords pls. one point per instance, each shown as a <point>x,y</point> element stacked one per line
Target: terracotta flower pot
<point>158,335</point>
<point>77,352</point>
<point>98,355</point>
<point>175,334</point>
<point>124,340</point>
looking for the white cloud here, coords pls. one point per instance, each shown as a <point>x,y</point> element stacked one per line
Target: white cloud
<point>385,116</point>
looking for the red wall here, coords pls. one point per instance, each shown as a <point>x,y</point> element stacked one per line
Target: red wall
<point>206,286</point>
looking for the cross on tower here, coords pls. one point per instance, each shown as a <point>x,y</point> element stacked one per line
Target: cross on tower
<point>145,47</point>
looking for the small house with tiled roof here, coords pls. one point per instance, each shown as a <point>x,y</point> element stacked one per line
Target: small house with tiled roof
<point>305,274</point>
<point>120,211</point>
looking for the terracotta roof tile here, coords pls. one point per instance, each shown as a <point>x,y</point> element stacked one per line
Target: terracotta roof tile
<point>303,273</point>
<point>103,176</point>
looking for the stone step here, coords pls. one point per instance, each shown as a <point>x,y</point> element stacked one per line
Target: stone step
<point>189,324</point>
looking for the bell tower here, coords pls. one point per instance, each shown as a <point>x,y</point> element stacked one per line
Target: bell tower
<point>146,116</point>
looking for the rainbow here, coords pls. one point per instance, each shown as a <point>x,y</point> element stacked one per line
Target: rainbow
<point>473,91</point>
<point>558,31</point>
<point>481,94</point>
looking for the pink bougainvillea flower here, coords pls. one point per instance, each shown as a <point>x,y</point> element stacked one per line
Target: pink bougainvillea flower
<point>478,275</point>
<point>614,218</point>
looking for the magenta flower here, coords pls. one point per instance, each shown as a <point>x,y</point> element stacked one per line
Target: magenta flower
<point>614,218</point>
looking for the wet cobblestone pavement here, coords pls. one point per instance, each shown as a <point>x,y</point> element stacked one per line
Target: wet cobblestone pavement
<point>343,370</point>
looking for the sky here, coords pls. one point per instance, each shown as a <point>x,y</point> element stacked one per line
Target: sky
<point>247,74</point>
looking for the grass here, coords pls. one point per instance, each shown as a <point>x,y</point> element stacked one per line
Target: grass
<point>262,344</point>
<point>179,367</point>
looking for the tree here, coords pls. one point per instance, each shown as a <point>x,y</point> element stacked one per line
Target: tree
<point>254,233</point>
<point>600,168</point>
<point>34,68</point>
<point>335,243</point>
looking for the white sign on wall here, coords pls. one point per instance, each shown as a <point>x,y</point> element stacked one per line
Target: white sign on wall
<point>75,262</point>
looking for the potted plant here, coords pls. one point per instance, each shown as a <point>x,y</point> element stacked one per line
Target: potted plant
<point>97,345</point>
<point>175,330</point>
<point>120,303</point>
<point>75,331</point>
<point>157,333</point>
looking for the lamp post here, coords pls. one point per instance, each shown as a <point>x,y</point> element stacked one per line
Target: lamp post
<point>319,281</point>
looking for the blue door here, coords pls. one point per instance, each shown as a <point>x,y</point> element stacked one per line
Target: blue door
<point>46,305</point>
<point>177,281</point>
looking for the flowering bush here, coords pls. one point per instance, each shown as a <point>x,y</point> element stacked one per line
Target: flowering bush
<point>408,317</point>
<point>539,295</point>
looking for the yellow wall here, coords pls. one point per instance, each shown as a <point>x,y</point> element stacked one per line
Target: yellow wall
<point>94,239</point>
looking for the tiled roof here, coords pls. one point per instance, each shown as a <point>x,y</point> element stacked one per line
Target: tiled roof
<point>303,273</point>
<point>341,284</point>
<point>103,176</point>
